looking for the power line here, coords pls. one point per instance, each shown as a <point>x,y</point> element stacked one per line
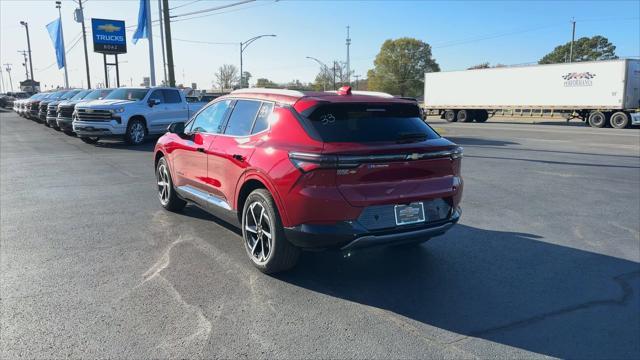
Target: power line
<point>183,5</point>
<point>74,42</point>
<point>213,8</point>
<point>223,12</point>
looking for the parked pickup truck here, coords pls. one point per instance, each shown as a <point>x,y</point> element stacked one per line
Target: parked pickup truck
<point>132,113</point>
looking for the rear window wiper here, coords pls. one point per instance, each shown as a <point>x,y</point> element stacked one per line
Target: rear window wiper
<point>410,137</point>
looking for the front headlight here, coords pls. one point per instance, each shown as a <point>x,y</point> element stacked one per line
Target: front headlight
<point>117,111</point>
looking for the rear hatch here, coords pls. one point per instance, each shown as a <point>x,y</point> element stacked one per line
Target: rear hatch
<point>386,154</point>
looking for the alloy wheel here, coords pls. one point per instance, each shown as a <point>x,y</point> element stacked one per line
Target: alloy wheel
<point>258,233</point>
<point>164,186</point>
<point>137,132</point>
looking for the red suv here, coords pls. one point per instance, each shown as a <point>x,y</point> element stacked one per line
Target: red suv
<point>298,170</point>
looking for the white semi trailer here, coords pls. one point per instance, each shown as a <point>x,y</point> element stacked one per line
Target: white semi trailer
<point>600,92</point>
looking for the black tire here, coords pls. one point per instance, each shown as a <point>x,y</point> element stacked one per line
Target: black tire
<point>166,192</point>
<point>45,123</point>
<point>136,132</point>
<point>450,116</point>
<point>597,119</point>
<point>90,139</point>
<point>619,120</point>
<point>278,254</point>
<point>69,132</point>
<point>481,116</point>
<point>464,116</point>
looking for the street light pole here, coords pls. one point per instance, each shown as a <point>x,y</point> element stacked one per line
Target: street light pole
<point>64,55</point>
<point>326,69</point>
<point>84,39</point>
<point>243,46</point>
<point>26,27</point>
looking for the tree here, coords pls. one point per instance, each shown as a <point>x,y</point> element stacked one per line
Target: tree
<point>485,65</point>
<point>328,75</point>
<point>226,76</point>
<point>400,67</point>
<point>584,49</point>
<point>246,76</point>
<point>265,83</point>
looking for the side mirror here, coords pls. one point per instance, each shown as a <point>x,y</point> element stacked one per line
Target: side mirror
<point>176,128</point>
<point>153,102</point>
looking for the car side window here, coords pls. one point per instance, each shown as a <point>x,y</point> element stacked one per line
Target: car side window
<point>157,95</point>
<point>262,120</point>
<point>211,119</point>
<point>242,117</point>
<point>171,96</point>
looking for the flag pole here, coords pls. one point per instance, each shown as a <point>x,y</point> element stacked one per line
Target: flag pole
<point>152,70</point>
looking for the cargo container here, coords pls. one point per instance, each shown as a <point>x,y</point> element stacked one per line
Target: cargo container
<point>602,93</point>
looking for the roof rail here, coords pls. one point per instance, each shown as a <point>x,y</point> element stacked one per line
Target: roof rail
<point>367,93</point>
<point>269,91</point>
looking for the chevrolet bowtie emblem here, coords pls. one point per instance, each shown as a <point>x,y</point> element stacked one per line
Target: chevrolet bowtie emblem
<point>109,28</point>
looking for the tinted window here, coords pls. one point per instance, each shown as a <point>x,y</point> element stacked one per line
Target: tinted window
<point>97,94</point>
<point>370,122</point>
<point>127,94</point>
<point>172,96</point>
<point>241,120</point>
<point>211,119</point>
<point>157,95</point>
<point>69,94</point>
<point>81,95</point>
<point>262,121</point>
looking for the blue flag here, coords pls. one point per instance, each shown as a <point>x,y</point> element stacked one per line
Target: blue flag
<point>142,31</point>
<point>55,33</point>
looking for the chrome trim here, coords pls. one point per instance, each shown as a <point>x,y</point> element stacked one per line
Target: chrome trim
<point>201,197</point>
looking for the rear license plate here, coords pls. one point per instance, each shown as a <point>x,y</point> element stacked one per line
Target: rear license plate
<point>409,214</point>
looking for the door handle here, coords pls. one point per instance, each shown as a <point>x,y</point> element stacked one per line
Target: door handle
<point>200,150</point>
<point>238,157</point>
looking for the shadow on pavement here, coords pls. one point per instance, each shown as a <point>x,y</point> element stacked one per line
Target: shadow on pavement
<point>555,162</point>
<point>509,288</point>
<point>148,145</point>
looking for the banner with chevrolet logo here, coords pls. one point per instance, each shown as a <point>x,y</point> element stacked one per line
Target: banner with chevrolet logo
<point>109,36</point>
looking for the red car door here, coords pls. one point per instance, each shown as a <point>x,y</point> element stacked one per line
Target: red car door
<point>189,156</point>
<point>230,153</point>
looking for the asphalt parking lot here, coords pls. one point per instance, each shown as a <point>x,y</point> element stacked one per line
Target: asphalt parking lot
<point>545,261</point>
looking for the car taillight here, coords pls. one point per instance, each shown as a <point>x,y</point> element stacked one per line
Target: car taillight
<point>306,162</point>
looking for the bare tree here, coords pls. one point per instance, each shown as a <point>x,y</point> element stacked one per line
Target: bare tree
<point>227,76</point>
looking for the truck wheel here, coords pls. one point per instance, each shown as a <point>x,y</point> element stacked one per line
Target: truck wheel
<point>619,120</point>
<point>482,116</point>
<point>597,119</point>
<point>263,234</point>
<point>90,140</point>
<point>136,132</point>
<point>465,116</point>
<point>450,116</point>
<point>166,193</point>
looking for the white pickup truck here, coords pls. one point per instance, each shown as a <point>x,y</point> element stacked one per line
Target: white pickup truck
<point>132,113</point>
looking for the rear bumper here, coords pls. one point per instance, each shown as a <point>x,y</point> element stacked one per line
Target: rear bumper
<point>350,235</point>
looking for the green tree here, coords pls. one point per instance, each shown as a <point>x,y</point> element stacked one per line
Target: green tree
<point>400,67</point>
<point>265,83</point>
<point>584,49</point>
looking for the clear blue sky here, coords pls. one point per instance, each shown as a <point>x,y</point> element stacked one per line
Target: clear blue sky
<point>462,34</point>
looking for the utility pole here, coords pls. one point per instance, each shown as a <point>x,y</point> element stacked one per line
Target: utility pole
<point>84,39</point>
<point>2,89</point>
<point>357,77</point>
<point>26,27</point>
<point>8,69</point>
<point>348,60</point>
<point>167,36</point>
<point>164,57</point>
<point>573,38</point>
<point>64,54</point>
<point>334,75</point>
<point>25,63</point>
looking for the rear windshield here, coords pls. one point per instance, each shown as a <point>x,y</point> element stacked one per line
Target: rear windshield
<point>370,123</point>
<point>127,94</point>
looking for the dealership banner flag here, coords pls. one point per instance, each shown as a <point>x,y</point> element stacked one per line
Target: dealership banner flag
<point>55,33</point>
<point>141,31</point>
